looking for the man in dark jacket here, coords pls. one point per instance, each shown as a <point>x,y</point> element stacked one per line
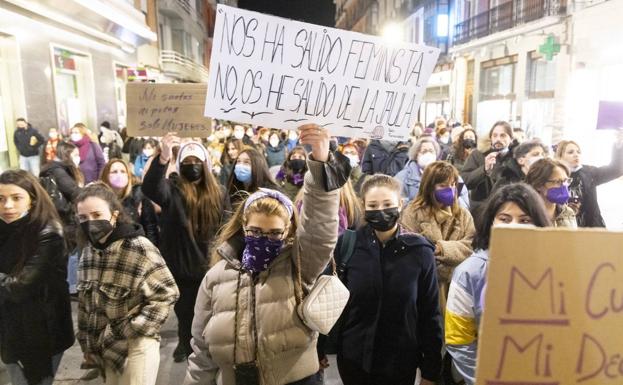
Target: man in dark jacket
<point>480,166</point>
<point>28,142</point>
<point>516,168</point>
<point>385,157</point>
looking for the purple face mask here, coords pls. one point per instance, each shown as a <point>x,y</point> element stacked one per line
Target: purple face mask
<point>445,196</point>
<point>558,195</point>
<point>259,252</point>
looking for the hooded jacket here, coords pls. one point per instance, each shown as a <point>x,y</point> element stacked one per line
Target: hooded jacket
<point>275,156</point>
<point>35,311</point>
<point>286,350</point>
<point>392,320</point>
<point>463,313</point>
<point>384,157</point>
<point>125,291</point>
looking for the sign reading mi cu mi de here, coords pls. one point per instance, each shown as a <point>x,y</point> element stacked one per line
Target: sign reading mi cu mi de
<point>281,73</point>
<point>553,309</point>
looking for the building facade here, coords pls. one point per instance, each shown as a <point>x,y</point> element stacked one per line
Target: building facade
<point>63,62</point>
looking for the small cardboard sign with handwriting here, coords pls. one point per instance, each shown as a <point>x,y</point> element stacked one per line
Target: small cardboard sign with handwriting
<point>553,308</point>
<point>280,73</point>
<point>155,109</point>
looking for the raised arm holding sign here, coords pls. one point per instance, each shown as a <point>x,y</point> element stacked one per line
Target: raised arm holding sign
<point>281,73</point>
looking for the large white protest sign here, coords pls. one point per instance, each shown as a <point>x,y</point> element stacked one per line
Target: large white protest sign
<point>280,73</point>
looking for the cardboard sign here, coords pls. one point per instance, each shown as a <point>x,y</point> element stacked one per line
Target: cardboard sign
<point>155,109</point>
<point>553,308</point>
<point>280,73</point>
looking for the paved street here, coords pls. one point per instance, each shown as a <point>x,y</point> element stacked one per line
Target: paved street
<point>69,372</point>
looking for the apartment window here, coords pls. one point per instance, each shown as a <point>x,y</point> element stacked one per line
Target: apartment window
<point>177,41</point>
<point>497,78</point>
<point>540,76</point>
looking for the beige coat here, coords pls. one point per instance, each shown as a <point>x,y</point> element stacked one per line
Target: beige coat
<point>565,217</point>
<point>286,349</point>
<point>451,235</point>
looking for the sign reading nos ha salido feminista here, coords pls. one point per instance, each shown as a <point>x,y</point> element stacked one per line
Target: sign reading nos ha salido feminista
<point>280,73</point>
<point>554,308</point>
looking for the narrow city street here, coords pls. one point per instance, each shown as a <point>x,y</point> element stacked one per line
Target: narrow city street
<point>69,372</point>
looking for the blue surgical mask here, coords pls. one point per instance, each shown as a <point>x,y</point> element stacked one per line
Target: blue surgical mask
<point>243,173</point>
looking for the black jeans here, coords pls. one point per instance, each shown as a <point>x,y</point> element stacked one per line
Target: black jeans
<point>185,310</point>
<point>352,374</point>
<point>314,379</point>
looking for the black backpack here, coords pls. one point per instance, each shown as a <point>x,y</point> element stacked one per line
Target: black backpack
<point>58,199</point>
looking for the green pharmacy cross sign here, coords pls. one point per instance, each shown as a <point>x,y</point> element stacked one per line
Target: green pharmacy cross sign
<point>550,48</point>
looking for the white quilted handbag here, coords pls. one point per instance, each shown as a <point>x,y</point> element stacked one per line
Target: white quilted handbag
<point>325,302</point>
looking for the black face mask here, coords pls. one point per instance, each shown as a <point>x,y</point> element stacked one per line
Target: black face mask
<point>297,164</point>
<point>382,220</point>
<point>469,143</point>
<point>96,230</point>
<point>191,172</point>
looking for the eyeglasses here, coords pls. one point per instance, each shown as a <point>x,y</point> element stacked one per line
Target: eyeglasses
<point>561,182</point>
<point>275,235</point>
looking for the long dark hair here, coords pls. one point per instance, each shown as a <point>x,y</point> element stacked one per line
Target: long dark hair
<point>42,212</point>
<point>459,151</point>
<point>523,196</point>
<point>102,191</point>
<point>204,203</point>
<point>225,158</point>
<point>286,170</point>
<point>260,176</point>
<point>63,153</point>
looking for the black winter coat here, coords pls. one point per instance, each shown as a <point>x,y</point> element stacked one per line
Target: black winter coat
<point>64,177</point>
<point>584,186</point>
<point>187,257</point>
<point>507,173</point>
<point>477,180</point>
<point>392,319</point>
<point>35,311</point>
<point>147,218</point>
<point>21,138</point>
<point>378,158</point>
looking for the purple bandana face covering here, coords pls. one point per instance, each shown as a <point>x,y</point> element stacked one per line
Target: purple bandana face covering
<point>259,252</point>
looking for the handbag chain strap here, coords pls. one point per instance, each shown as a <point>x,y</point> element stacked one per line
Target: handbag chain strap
<point>254,321</point>
<point>298,286</point>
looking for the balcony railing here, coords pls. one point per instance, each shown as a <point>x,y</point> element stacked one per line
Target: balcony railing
<point>506,16</point>
<point>182,67</point>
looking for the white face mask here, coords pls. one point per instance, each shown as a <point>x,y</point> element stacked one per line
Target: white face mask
<point>274,142</point>
<point>292,136</point>
<point>354,160</point>
<point>76,137</point>
<point>238,134</point>
<point>445,139</point>
<point>425,159</point>
<point>76,160</point>
<point>148,153</point>
<point>53,135</point>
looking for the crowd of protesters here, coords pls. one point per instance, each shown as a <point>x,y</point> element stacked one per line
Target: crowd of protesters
<point>222,230</point>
